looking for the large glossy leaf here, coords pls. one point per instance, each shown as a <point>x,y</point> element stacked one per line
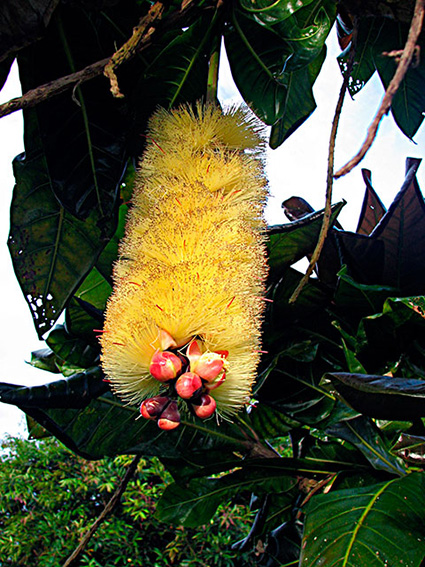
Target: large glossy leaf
<point>108,427</point>
<point>365,436</point>
<point>270,12</point>
<point>77,391</point>
<point>276,52</point>
<point>81,138</point>
<point>377,526</point>
<point>73,349</point>
<point>22,22</point>
<point>195,503</point>
<point>408,104</point>
<point>43,241</point>
<point>364,297</point>
<point>299,99</point>
<point>382,397</point>
<point>290,242</point>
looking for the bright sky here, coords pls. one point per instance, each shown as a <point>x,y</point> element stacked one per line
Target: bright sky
<point>296,168</point>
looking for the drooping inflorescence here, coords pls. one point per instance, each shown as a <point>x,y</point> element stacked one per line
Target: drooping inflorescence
<point>182,326</point>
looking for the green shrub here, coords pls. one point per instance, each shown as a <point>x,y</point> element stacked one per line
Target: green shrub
<point>49,497</point>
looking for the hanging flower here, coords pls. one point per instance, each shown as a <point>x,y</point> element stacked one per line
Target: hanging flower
<point>187,301</point>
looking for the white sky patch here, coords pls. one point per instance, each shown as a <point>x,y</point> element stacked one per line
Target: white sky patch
<point>298,168</point>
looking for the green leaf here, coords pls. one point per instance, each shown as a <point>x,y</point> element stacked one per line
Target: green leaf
<point>363,434</point>
<point>21,23</point>
<point>290,242</point>
<point>72,349</point>
<point>363,297</point>
<point>275,57</point>
<point>194,503</point>
<point>45,359</point>
<point>382,397</point>
<point>74,392</point>
<point>270,12</point>
<point>299,100</point>
<point>408,104</point>
<point>42,242</point>
<point>377,525</point>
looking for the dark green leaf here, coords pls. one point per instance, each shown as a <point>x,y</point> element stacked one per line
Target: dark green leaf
<point>366,298</point>
<point>74,392</point>
<point>365,436</point>
<point>376,526</point>
<point>45,359</point>
<point>43,240</point>
<point>299,100</point>
<point>195,503</point>
<point>290,242</point>
<point>73,350</point>
<point>382,397</point>
<point>270,12</point>
<point>22,22</point>
<point>408,104</point>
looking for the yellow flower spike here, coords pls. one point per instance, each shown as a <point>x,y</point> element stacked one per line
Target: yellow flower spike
<point>192,264</point>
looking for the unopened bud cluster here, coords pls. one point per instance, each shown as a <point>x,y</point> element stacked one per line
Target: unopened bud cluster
<point>189,379</point>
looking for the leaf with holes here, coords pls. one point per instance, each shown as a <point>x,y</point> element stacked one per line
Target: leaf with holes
<point>43,241</point>
<point>379,525</point>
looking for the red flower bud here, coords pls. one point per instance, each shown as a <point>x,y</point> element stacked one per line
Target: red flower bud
<point>216,383</point>
<point>170,417</point>
<point>204,406</point>
<point>188,385</point>
<point>208,366</point>
<point>153,407</point>
<point>165,365</point>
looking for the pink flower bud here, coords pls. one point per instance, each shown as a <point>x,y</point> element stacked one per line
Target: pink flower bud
<point>165,366</point>
<point>204,406</point>
<point>188,385</point>
<point>208,366</point>
<point>153,407</point>
<point>216,383</point>
<point>170,417</point>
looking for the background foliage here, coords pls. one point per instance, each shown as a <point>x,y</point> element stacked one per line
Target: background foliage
<point>343,376</point>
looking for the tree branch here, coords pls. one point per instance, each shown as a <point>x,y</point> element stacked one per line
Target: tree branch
<point>58,86</point>
<point>329,178</point>
<point>141,33</point>
<point>403,66</point>
<point>116,497</point>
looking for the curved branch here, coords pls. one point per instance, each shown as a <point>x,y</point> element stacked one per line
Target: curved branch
<point>58,86</point>
<point>116,497</point>
<point>403,66</point>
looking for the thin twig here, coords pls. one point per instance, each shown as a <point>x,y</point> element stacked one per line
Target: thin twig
<point>58,86</point>
<point>403,66</point>
<point>140,33</point>
<point>329,178</point>
<point>107,510</point>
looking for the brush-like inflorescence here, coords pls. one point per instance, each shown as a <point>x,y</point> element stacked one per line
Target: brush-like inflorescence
<point>183,322</point>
